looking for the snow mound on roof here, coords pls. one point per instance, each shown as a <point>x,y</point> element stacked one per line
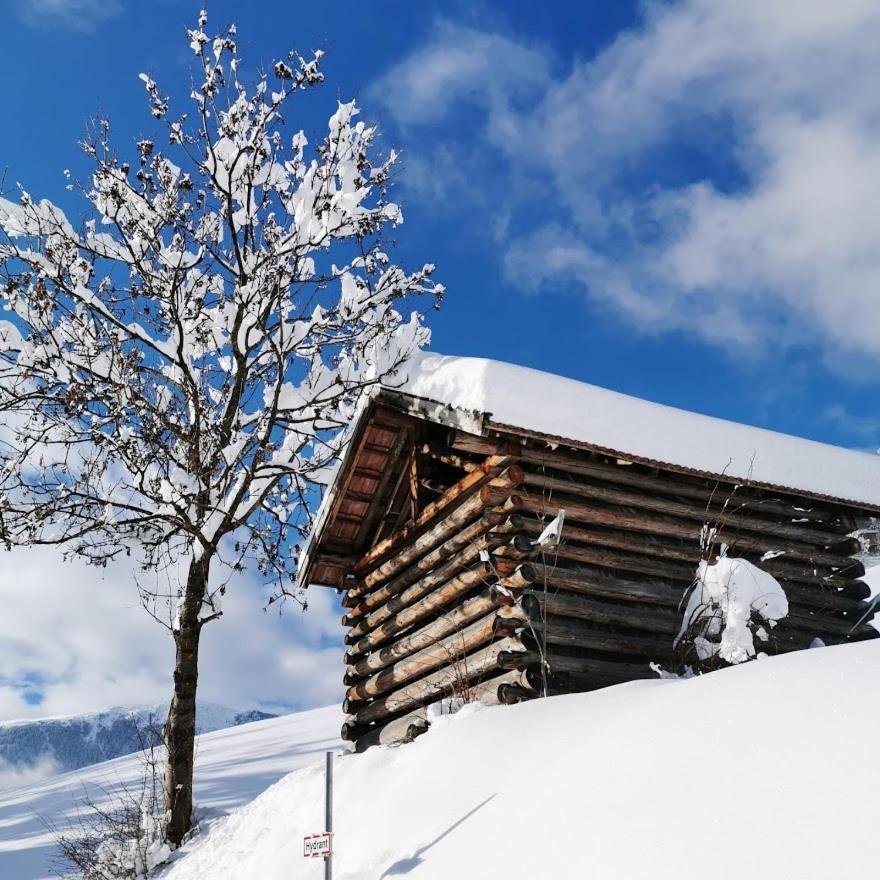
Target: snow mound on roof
<point>562,408</point>
<point>755,771</point>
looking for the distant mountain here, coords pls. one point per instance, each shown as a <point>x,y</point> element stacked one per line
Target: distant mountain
<point>75,741</point>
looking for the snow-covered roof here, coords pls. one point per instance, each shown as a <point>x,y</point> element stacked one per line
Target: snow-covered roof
<point>565,410</point>
<point>477,395</point>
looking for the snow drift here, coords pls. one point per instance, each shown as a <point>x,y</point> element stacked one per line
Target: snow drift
<point>759,771</point>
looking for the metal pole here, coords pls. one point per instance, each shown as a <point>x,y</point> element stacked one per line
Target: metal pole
<point>328,813</point>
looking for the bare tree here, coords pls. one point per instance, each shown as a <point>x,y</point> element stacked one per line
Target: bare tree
<point>174,374</point>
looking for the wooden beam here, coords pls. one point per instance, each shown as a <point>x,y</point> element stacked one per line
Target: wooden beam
<point>719,493</point>
<point>472,579</point>
<point>628,518</point>
<point>545,485</point>
<point>685,545</point>
<point>465,487</point>
<point>458,617</point>
<point>401,730</point>
<point>443,682</point>
<point>445,652</point>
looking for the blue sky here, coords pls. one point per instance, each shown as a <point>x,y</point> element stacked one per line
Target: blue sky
<point>674,200</point>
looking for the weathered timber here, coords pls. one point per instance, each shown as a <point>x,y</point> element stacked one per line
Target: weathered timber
<point>449,458</point>
<point>731,520</point>
<point>509,687</point>
<point>519,659</point>
<point>856,590</point>
<point>549,605</point>
<point>594,583</point>
<point>475,445</point>
<point>824,598</point>
<point>450,622</point>
<point>512,687</point>
<point>351,730</point>
<point>456,493</point>
<point>552,609</point>
<point>511,549</point>
<point>688,548</point>
<point>597,582</point>
<point>569,632</point>
<point>468,511</point>
<point>401,730</point>
<point>821,595</point>
<point>865,634</point>
<point>717,494</point>
<point>610,670</point>
<point>448,650</point>
<point>458,566</point>
<point>487,533</point>
<point>480,575</point>
<point>443,531</point>
<point>423,581</point>
<point>443,682</point>
<point>580,462</point>
<point>817,623</point>
<point>683,571</point>
<point>626,518</point>
<point>846,547</point>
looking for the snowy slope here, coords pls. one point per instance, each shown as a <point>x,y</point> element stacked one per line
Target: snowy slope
<point>232,767</point>
<point>74,741</point>
<point>758,771</point>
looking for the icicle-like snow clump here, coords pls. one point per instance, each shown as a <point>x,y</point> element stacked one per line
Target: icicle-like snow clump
<point>732,602</point>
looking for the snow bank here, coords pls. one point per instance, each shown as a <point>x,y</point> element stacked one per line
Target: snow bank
<point>755,771</point>
<point>557,407</point>
<point>232,767</point>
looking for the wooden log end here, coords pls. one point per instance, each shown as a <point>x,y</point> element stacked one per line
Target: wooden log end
<point>865,634</point>
<point>856,590</point>
<point>523,576</point>
<point>524,545</point>
<point>846,547</point>
<point>516,659</point>
<point>508,694</point>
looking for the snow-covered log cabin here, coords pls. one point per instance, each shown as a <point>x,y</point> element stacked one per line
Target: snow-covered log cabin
<point>442,527</point>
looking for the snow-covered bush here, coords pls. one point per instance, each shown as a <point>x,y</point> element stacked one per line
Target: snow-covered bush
<point>731,604</point>
<point>120,840</point>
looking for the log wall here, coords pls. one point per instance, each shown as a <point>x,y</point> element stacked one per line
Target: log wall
<point>462,603</point>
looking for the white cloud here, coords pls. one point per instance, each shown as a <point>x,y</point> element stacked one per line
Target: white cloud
<point>75,15</point>
<point>716,169</point>
<point>78,636</point>
<point>460,63</point>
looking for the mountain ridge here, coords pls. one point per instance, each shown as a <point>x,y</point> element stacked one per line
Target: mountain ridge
<point>59,744</point>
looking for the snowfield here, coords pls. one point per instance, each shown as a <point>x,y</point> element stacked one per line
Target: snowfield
<point>762,771</point>
<point>232,767</point>
<point>759,771</point>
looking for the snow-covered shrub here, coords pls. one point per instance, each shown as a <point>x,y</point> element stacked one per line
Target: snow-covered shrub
<point>732,603</point>
<point>122,839</point>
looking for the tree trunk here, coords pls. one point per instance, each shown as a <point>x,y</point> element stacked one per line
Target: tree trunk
<point>180,729</point>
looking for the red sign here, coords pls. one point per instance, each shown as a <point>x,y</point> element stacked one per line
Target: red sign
<point>318,845</point>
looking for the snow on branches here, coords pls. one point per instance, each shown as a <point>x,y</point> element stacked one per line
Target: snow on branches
<point>732,603</point>
<point>179,368</point>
